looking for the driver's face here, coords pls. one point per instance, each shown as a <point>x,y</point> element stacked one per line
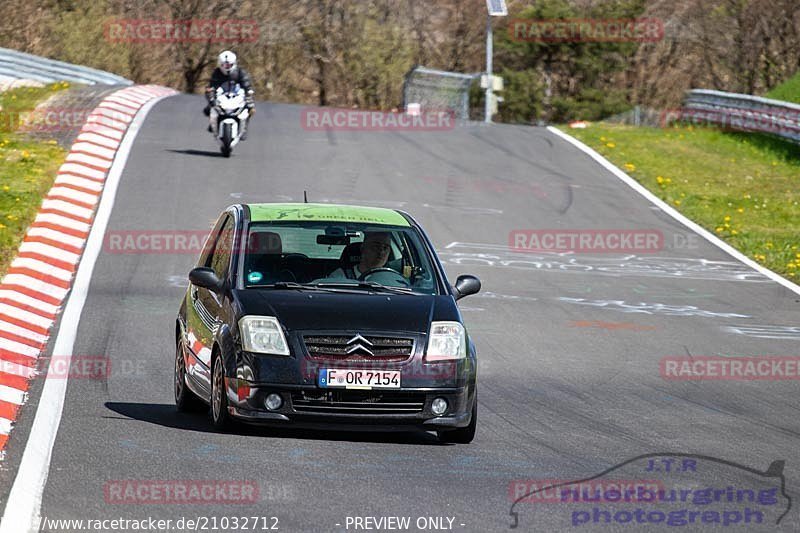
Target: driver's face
<point>374,251</point>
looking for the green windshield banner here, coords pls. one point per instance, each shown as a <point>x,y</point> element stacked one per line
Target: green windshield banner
<point>325,213</point>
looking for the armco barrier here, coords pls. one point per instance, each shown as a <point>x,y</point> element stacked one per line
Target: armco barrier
<point>743,112</point>
<point>20,65</point>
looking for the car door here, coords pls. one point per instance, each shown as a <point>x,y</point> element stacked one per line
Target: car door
<point>206,305</point>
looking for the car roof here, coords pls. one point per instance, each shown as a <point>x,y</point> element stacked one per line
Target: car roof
<point>296,212</point>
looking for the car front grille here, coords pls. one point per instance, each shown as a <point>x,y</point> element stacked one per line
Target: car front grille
<point>357,402</point>
<point>364,349</point>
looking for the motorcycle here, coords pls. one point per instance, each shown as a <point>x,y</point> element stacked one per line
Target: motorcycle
<point>228,117</point>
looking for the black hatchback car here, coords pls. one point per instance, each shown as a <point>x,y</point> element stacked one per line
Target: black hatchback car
<point>319,315</point>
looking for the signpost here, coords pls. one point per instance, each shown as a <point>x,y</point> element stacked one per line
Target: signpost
<point>496,8</point>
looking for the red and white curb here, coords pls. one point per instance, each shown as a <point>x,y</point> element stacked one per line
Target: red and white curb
<point>38,280</point>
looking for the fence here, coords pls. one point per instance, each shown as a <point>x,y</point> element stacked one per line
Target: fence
<point>438,90</point>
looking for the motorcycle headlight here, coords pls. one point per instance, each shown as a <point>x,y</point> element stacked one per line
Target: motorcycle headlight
<point>263,334</point>
<point>448,340</point>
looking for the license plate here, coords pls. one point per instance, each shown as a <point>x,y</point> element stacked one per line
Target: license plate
<point>359,379</point>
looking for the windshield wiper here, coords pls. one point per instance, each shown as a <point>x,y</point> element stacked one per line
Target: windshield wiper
<point>292,285</point>
<point>374,285</point>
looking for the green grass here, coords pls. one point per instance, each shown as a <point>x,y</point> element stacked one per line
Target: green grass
<point>741,187</point>
<point>788,91</point>
<point>27,168</point>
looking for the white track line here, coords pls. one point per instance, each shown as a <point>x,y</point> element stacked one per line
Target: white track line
<point>25,499</point>
<point>707,235</point>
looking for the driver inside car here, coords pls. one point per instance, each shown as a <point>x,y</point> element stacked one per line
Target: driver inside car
<point>374,254</point>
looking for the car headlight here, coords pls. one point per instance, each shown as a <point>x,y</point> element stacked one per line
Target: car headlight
<point>263,334</point>
<point>448,340</point>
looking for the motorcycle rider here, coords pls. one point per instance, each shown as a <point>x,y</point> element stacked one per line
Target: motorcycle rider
<point>229,70</point>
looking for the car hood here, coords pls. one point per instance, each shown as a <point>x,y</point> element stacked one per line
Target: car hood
<point>298,310</point>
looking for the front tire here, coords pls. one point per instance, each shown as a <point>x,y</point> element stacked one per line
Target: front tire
<point>185,400</point>
<point>220,418</point>
<point>462,435</point>
<point>227,139</point>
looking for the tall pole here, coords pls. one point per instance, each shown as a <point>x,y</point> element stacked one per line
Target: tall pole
<point>488,108</point>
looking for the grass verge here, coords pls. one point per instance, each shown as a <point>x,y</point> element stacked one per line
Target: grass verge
<point>741,187</point>
<point>788,91</point>
<point>27,168</point>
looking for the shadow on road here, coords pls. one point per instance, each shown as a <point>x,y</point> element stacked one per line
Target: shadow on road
<point>166,415</point>
<point>190,151</point>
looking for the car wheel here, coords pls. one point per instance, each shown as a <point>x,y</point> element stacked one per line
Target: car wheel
<point>462,435</point>
<point>219,397</point>
<point>185,399</point>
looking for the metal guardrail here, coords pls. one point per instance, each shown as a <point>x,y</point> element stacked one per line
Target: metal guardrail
<point>743,112</point>
<point>20,65</point>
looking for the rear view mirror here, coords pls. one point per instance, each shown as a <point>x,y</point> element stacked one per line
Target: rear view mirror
<point>466,285</point>
<point>206,278</point>
<point>333,240</point>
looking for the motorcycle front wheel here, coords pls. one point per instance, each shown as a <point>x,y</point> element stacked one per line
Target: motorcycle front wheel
<point>227,139</point>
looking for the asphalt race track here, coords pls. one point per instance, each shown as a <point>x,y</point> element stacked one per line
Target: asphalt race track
<point>569,346</point>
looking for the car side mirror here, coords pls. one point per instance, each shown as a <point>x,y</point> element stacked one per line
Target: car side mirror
<point>466,285</point>
<point>205,277</point>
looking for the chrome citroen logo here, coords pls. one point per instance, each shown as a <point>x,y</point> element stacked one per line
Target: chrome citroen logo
<point>359,343</point>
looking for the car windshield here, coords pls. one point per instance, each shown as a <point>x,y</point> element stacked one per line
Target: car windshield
<point>345,255</point>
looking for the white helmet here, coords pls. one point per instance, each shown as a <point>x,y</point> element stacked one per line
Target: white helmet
<point>226,62</point>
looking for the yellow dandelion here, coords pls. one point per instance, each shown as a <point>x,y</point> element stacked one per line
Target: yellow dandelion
<point>740,210</point>
<point>734,232</point>
<point>727,218</point>
<point>6,188</point>
<point>611,145</point>
<point>630,167</point>
<point>720,230</point>
<point>677,202</point>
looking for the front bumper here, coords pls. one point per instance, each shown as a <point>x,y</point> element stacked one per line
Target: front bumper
<point>311,407</point>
